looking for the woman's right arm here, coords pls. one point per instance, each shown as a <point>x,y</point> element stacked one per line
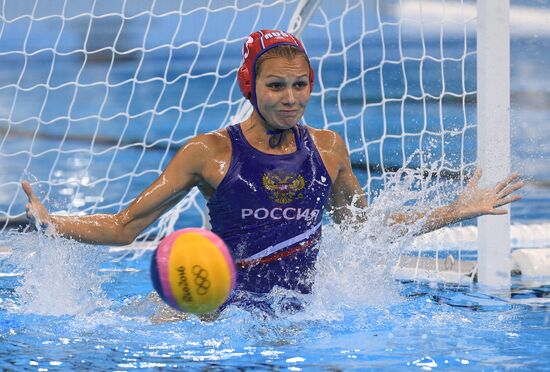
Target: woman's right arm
<point>183,172</point>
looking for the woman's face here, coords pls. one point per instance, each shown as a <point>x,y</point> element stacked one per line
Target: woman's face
<point>282,91</point>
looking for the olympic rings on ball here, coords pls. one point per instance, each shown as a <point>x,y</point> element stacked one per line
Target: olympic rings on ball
<point>193,271</point>
<point>201,280</point>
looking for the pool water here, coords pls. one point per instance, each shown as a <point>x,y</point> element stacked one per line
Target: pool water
<point>69,306</point>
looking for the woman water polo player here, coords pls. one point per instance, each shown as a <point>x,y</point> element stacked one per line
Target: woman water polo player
<point>267,180</point>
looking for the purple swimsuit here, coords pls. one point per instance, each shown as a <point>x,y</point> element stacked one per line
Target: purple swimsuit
<point>269,209</point>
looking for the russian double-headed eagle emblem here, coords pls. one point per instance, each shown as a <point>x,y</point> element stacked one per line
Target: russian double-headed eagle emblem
<point>283,187</point>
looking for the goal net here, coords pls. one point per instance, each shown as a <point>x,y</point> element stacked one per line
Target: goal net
<point>96,96</point>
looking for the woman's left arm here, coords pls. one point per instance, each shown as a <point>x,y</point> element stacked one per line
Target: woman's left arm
<point>348,203</point>
<point>472,202</point>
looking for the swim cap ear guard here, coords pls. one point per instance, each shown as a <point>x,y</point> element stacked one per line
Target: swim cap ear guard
<point>257,44</point>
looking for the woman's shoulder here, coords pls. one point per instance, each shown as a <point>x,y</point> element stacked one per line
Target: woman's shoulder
<point>205,147</point>
<point>326,139</point>
<point>212,141</point>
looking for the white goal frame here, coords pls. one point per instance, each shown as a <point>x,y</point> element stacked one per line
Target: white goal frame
<point>492,91</point>
<point>493,134</point>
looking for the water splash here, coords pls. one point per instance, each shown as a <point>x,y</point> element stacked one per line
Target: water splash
<point>59,276</point>
<point>355,262</point>
<point>353,271</point>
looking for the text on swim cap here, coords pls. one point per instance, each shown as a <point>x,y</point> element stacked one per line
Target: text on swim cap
<point>276,34</point>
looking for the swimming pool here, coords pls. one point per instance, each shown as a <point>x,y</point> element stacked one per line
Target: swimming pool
<point>69,306</point>
<point>92,312</point>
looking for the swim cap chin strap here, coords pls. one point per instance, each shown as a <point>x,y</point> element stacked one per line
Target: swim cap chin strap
<point>276,137</point>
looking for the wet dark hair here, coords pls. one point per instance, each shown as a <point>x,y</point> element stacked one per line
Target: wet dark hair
<point>280,51</point>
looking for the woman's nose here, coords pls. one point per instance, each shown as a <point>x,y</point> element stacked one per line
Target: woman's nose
<point>289,97</point>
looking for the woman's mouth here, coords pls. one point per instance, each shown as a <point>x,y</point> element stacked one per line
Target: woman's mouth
<point>288,113</point>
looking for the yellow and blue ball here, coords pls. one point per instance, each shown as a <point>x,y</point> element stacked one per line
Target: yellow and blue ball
<point>192,271</point>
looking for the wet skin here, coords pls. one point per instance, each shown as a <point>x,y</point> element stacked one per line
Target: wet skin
<point>282,89</point>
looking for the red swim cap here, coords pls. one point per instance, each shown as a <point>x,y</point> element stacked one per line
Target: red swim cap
<point>257,44</point>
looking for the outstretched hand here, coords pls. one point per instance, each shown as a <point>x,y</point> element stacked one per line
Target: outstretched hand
<point>475,201</point>
<point>36,212</point>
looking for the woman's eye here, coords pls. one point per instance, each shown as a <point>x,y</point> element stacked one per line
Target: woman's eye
<point>301,84</point>
<point>275,85</point>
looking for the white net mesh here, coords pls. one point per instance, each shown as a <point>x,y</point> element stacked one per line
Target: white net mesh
<point>100,94</point>
<point>96,96</point>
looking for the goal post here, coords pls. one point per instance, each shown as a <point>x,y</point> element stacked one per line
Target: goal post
<point>493,136</point>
